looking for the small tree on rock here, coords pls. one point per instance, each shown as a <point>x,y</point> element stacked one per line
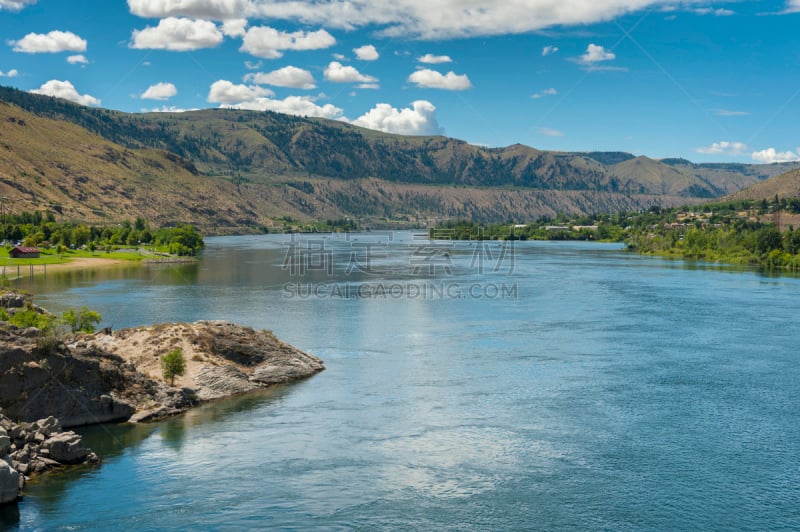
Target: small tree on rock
<point>173,364</point>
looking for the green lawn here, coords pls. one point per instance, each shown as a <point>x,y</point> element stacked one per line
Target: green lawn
<point>52,257</point>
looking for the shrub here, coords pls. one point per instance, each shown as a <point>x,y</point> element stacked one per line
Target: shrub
<point>83,320</point>
<point>173,364</point>
<point>30,318</point>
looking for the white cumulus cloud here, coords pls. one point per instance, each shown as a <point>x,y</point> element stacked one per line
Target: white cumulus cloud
<point>338,73</point>
<point>225,92</point>
<point>53,42</point>
<point>160,91</point>
<point>235,27</point>
<point>205,9</point>
<point>793,6</point>
<point>291,105</point>
<point>419,119</point>
<point>67,91</point>
<point>288,76</point>
<point>771,155</point>
<point>436,80</point>
<point>78,59</point>
<point>724,147</point>
<point>596,53</point>
<point>13,73</point>
<point>366,53</point>
<point>269,43</point>
<point>431,59</point>
<point>451,18</point>
<point>178,34</point>
<point>15,5</point>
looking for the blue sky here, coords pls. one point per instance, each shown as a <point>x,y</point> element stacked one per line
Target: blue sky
<point>704,81</point>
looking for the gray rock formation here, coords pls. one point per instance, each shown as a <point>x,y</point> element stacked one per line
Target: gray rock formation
<point>9,482</point>
<point>31,448</point>
<point>214,382</point>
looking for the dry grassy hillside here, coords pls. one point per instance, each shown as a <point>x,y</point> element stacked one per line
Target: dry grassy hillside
<point>784,186</point>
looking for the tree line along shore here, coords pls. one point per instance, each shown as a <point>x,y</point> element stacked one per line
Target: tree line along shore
<point>750,233</point>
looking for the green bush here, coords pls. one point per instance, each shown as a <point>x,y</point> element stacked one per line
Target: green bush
<point>83,320</point>
<point>30,318</point>
<point>173,364</point>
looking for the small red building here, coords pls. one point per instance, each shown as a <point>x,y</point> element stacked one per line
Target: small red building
<point>22,252</point>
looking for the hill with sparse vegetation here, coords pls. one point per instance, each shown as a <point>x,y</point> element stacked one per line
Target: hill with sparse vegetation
<point>228,170</point>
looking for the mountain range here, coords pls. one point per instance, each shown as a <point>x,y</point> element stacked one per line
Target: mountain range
<point>229,170</point>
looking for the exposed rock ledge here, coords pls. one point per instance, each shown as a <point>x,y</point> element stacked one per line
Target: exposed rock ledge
<point>29,448</point>
<point>99,378</point>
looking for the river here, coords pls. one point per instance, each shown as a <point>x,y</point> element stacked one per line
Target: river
<point>538,385</point>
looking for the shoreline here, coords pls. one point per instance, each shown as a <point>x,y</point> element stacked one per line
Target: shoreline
<point>9,271</point>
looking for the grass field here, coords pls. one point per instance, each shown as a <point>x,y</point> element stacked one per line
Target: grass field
<point>52,257</point>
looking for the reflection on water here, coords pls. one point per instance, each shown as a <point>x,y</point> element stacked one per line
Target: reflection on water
<point>616,391</point>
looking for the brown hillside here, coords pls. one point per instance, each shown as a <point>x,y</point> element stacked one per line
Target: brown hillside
<point>784,186</point>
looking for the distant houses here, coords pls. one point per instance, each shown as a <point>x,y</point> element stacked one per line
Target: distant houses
<point>24,252</point>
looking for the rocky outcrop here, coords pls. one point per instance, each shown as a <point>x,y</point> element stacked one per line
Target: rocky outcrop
<point>117,376</point>
<point>32,448</point>
<point>222,358</point>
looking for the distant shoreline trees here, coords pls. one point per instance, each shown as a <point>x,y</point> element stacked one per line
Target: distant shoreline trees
<point>42,230</point>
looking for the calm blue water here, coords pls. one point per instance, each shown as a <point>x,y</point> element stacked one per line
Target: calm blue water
<point>601,390</point>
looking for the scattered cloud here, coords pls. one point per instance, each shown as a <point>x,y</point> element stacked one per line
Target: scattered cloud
<point>53,42</point>
<point>592,60</point>
<point>253,65</point>
<point>771,155</point>
<point>549,50</point>
<point>160,91</point>
<point>338,73</point>
<point>236,27</point>
<point>225,92</point>
<point>178,34</point>
<point>715,12</point>
<point>269,43</point>
<point>545,92</point>
<point>369,86</point>
<point>204,9</point>
<point>78,59</point>
<point>596,53</point>
<point>792,6</point>
<point>419,119</point>
<point>291,105</point>
<point>15,5</point>
<point>168,109</point>
<point>431,59</point>
<point>13,73</point>
<point>728,112</point>
<point>65,90</point>
<point>550,132</point>
<point>366,53</point>
<point>288,76</point>
<point>432,79</point>
<point>724,148</point>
